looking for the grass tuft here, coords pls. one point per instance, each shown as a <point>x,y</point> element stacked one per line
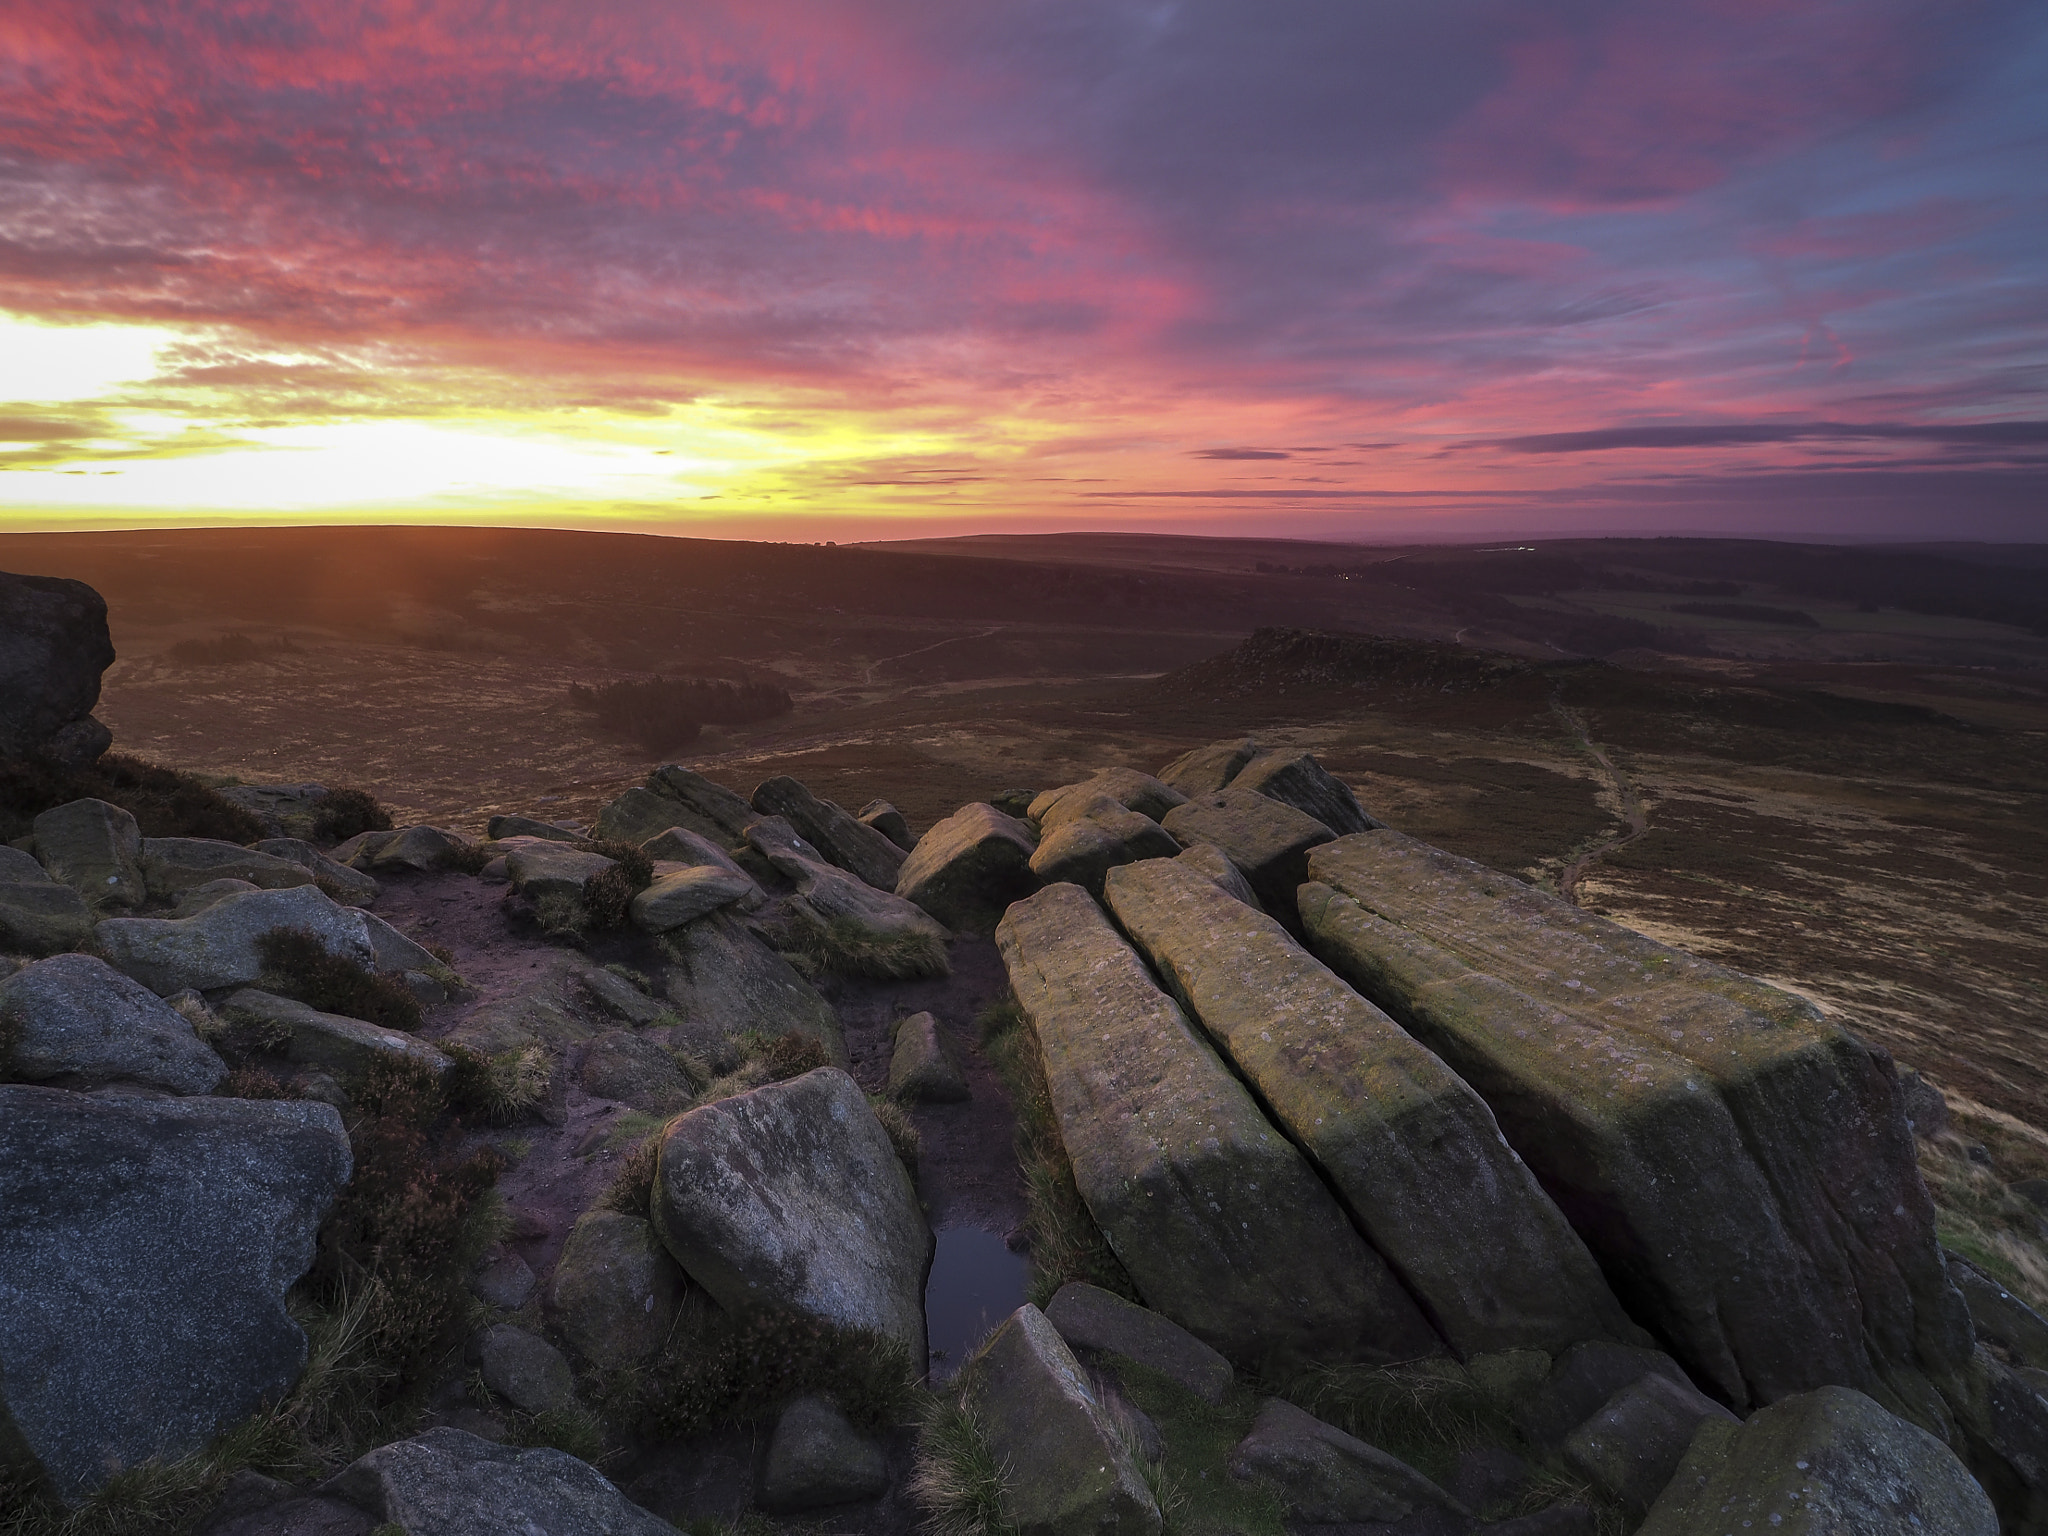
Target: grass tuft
<point>847,949</point>
<point>956,1479</point>
<point>903,1134</point>
<point>631,1191</point>
<point>501,1089</point>
<point>297,965</point>
<point>1423,1411</point>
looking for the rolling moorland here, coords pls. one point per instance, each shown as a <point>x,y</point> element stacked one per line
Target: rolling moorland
<point>1821,765</point>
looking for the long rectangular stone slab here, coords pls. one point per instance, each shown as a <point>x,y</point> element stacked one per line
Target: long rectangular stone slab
<point>1739,1165</point>
<point>1219,1221</point>
<point>1412,1151</point>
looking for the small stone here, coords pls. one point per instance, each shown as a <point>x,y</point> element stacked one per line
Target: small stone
<point>505,1281</point>
<point>817,1458</point>
<point>524,1369</point>
<point>1089,1318</point>
<point>920,1070</point>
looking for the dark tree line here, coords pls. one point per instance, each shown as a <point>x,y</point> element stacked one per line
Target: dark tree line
<point>662,713</point>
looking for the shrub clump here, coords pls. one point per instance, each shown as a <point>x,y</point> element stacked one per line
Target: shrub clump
<point>163,801</point>
<point>661,713</point>
<point>343,812</point>
<point>500,1089</point>
<point>297,965</point>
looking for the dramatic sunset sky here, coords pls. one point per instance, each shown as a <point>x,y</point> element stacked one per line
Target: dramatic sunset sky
<point>876,268</point>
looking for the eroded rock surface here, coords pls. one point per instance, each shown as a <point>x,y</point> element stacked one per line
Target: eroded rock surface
<point>843,840</point>
<point>968,868</point>
<point>726,981</point>
<point>1267,840</point>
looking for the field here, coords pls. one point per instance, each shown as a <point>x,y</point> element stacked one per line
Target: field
<point>1850,802</point>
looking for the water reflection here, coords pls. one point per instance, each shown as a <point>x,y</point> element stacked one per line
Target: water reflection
<point>975,1283</point>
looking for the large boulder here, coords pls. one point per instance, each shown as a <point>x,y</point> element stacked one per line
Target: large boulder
<point>420,849</point>
<point>450,1483</point>
<point>1214,866</point>
<point>219,948</point>
<point>501,827</point>
<point>329,1042</point>
<point>816,1458</point>
<point>706,808</point>
<point>1205,770</point>
<point>1267,840</point>
<point>1632,1444</point>
<point>1127,787</point>
<point>635,816</point>
<point>623,999</point>
<point>2000,1318</point>
<point>53,647</point>
<point>1412,1152</point>
<point>146,1246</point>
<point>725,981</point>
<point>679,845</point>
<point>174,865</point>
<point>615,1291</point>
<point>879,931</point>
<point>1297,779</point>
<point>96,849</point>
<point>1082,850</point>
<point>282,810</point>
<point>791,1198</point>
<point>539,869</point>
<point>968,868</point>
<point>1211,1209</point>
<point>1802,1252</point>
<point>395,952</point>
<point>1825,1463</point>
<point>677,896</point>
<point>1101,1322</point>
<point>843,840</point>
<point>1067,1471</point>
<point>1326,1477</point>
<point>76,1022</point>
<point>351,887</point>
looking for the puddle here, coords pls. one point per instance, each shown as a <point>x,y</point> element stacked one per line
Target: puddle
<point>975,1283</point>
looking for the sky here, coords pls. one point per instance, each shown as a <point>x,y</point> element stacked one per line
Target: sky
<point>859,269</point>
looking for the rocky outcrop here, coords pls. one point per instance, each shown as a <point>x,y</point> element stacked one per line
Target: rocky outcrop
<point>219,948</point>
<point>1412,1152</point>
<point>969,868</point>
<point>692,850</point>
<point>1205,770</point>
<point>539,869</point>
<point>1297,779</point>
<point>1803,1251</point>
<point>1326,1477</point>
<point>1219,1221</point>
<point>1830,1462</point>
<point>76,1022</point>
<point>725,981</point>
<point>419,849</point>
<point>53,647</point>
<point>709,809</point>
<point>1100,1322</point>
<point>816,1458</point>
<point>615,1290</point>
<point>1126,787</point>
<point>351,887</point>
<point>878,931</point>
<point>844,841</point>
<point>329,1042</point>
<point>1267,840</point>
<point>631,1069</point>
<point>1082,849</point>
<point>96,849</point>
<point>146,1246</point>
<point>792,1198</point>
<point>173,865</point>
<point>281,810</point>
<point>921,1071</point>
<point>1213,865</point>
<point>635,816</point>
<point>501,827</point>
<point>1066,1469</point>
<point>448,1483</point>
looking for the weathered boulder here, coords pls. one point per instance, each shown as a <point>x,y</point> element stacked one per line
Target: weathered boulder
<point>1205,770</point>
<point>1081,851</point>
<point>1100,1321</point>
<point>1267,840</point>
<point>921,1070</point>
<point>282,810</point>
<point>173,865</point>
<point>1127,787</point>
<point>1068,1472</point>
<point>1578,1382</point>
<point>615,1290</point>
<point>791,1197</point>
<point>635,816</point>
<point>504,1280</point>
<point>420,849</point>
<point>524,1369</point>
<point>331,1042</point>
<point>888,821</point>
<point>1213,865</point>
<point>76,1022</point>
<point>725,981</point>
<point>1219,1221</point>
<point>146,1246</point>
<point>816,1458</point>
<point>1803,1251</point>
<point>888,935</point>
<point>844,841</point>
<point>53,647</point>
<point>96,849</point>
<point>1326,1477</point>
<point>197,899</point>
<point>351,887</point>
<point>218,948</point>
<point>41,916</point>
<point>633,1070</point>
<point>394,951</point>
<point>678,896</point>
<point>450,1483</point>
<point>1632,1445</point>
<point>540,869</point>
<point>709,809</point>
<point>620,998</point>
<point>500,827</point>
<point>1297,779</point>
<point>1825,1463</point>
<point>535,1016</point>
<point>1412,1152</point>
<point>968,868</point>
<point>679,845</point>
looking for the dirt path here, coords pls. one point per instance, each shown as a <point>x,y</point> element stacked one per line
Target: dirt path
<point>1635,816</point>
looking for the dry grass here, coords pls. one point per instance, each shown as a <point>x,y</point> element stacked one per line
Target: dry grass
<point>956,1479</point>
<point>1978,1216</point>
<point>848,949</point>
<point>498,1090</point>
